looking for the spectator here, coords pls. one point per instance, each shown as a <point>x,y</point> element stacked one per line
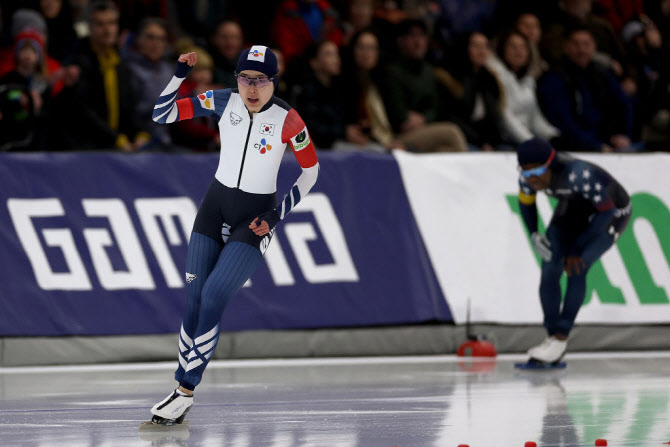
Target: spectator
<point>149,73</point>
<point>657,132</point>
<point>23,93</point>
<point>619,12</point>
<point>299,23</point>
<point>226,43</point>
<point>579,13</point>
<point>386,17</point>
<point>410,95</point>
<point>529,25</point>
<point>360,17</point>
<point>523,119</point>
<point>28,24</point>
<point>391,12</point>
<point>60,28</point>
<point>102,98</point>
<point>368,123</point>
<point>478,100</point>
<point>134,11</point>
<point>320,98</point>
<point>459,18</point>
<point>201,133</point>
<point>25,21</point>
<point>659,12</point>
<point>507,11</point>
<point>30,69</point>
<point>281,88</point>
<point>644,44</point>
<point>199,19</point>
<point>583,99</point>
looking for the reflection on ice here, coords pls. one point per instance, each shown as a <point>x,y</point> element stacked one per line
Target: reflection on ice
<point>403,401</point>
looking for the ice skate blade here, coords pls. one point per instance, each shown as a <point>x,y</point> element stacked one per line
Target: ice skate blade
<point>533,364</point>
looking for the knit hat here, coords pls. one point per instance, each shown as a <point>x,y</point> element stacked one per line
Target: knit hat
<point>535,150</point>
<point>633,29</point>
<point>24,19</point>
<point>259,58</point>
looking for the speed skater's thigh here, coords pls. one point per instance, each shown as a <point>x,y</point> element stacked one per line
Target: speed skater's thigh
<point>210,220</point>
<point>596,247</point>
<point>559,240</point>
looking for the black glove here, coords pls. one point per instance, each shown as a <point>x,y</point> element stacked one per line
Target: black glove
<point>271,217</point>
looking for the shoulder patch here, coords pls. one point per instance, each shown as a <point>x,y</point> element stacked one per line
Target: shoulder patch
<point>206,100</point>
<point>301,140</point>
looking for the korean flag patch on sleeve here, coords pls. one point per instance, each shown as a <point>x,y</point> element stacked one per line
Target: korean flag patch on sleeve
<point>206,100</point>
<point>301,140</point>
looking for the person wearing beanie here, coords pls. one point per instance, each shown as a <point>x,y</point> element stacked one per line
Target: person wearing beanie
<point>593,211</point>
<point>238,215</point>
<point>26,131</point>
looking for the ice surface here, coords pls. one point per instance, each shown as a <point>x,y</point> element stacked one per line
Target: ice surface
<point>352,402</point>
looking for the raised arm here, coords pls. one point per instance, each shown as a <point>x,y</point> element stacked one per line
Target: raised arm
<point>167,110</point>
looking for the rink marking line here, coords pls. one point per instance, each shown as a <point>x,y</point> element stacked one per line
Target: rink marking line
<point>239,407</point>
<point>323,361</point>
<point>69,422</point>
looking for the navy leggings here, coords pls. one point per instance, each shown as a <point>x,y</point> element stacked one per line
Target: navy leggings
<point>556,319</point>
<point>222,254</point>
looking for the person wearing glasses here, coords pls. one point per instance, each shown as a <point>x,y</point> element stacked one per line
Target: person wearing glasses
<point>593,210</point>
<point>238,215</point>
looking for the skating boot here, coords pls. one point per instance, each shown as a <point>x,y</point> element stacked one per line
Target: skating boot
<point>171,410</point>
<point>546,355</point>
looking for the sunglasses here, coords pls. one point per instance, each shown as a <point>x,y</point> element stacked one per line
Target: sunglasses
<point>528,173</point>
<point>261,82</point>
<point>538,171</point>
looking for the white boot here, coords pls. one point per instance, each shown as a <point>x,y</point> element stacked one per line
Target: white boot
<point>549,351</point>
<point>172,409</point>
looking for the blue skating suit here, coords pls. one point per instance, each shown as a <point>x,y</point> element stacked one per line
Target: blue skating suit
<point>593,210</point>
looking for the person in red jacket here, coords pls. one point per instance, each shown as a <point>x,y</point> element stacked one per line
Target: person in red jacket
<point>299,23</point>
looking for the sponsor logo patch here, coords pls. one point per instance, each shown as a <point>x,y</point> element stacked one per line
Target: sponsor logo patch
<point>207,100</point>
<point>257,53</point>
<point>190,277</point>
<point>263,146</point>
<point>267,129</point>
<point>301,141</point>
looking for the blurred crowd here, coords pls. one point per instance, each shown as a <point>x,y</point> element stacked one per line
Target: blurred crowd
<point>419,75</point>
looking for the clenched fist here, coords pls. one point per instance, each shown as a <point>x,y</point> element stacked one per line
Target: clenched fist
<point>190,58</point>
